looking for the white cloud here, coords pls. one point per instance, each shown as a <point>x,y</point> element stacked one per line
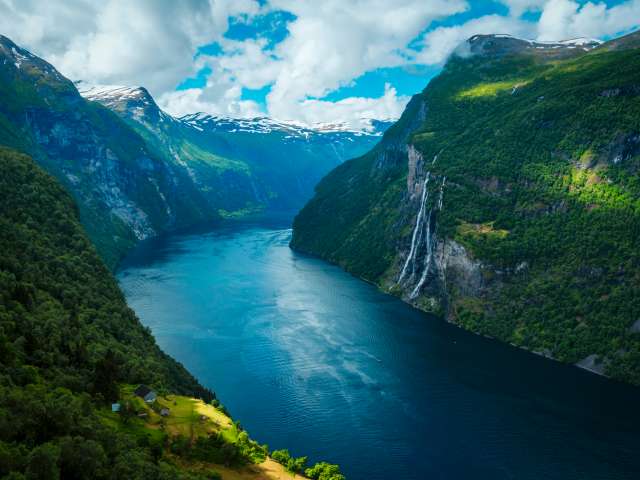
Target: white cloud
<point>143,42</point>
<point>518,7</point>
<point>352,110</point>
<point>438,44</point>
<point>562,19</point>
<point>217,98</point>
<point>329,45</point>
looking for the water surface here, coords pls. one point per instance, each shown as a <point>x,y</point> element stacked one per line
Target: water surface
<point>308,358</point>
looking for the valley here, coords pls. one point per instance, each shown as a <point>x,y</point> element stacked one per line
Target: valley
<point>311,359</point>
<point>284,264</point>
<point>136,172</point>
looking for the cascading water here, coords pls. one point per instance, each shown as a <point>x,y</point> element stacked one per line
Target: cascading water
<point>422,229</point>
<point>416,229</point>
<point>444,179</point>
<point>429,244</point>
<point>427,258</point>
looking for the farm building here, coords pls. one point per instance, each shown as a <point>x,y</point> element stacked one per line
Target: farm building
<point>145,393</point>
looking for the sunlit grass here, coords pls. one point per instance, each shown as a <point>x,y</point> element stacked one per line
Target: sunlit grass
<point>589,187</point>
<point>192,153</point>
<point>491,89</point>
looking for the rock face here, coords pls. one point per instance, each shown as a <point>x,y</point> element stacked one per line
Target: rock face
<point>497,203</point>
<point>136,171</point>
<point>124,190</point>
<point>240,165</point>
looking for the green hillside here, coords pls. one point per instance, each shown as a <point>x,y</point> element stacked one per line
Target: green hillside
<point>67,337</point>
<point>125,192</point>
<point>70,346</point>
<point>535,153</point>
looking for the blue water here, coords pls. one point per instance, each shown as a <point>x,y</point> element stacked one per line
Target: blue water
<point>308,358</point>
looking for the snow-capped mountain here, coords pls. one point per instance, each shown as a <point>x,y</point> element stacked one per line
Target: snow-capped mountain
<point>585,43</point>
<point>138,103</point>
<point>268,125</point>
<point>503,44</point>
<point>239,164</point>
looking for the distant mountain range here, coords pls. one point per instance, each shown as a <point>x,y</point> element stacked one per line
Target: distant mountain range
<point>136,171</point>
<point>506,198</point>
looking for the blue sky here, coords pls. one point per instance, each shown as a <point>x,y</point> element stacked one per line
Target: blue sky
<point>412,75</point>
<point>307,61</point>
<point>407,80</point>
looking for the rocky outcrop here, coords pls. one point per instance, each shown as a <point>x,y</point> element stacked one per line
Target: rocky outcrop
<point>124,190</point>
<point>593,363</point>
<point>431,265</point>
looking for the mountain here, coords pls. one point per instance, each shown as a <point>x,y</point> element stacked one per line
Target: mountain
<point>240,165</point>
<point>124,190</point>
<point>506,198</point>
<point>136,171</point>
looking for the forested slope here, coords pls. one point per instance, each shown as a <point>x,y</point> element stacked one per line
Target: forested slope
<point>507,199</point>
<point>67,340</point>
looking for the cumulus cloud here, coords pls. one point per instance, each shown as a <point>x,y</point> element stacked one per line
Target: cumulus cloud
<point>332,42</point>
<point>563,19</point>
<point>327,46</point>
<point>218,99</point>
<point>145,42</point>
<point>518,7</point>
<point>438,44</point>
<point>353,110</point>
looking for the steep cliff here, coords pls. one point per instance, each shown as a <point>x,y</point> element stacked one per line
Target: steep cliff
<point>124,190</point>
<point>507,199</point>
<point>136,171</point>
<point>238,165</point>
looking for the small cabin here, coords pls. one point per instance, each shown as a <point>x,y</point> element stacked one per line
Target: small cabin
<point>115,407</point>
<point>145,393</point>
<point>164,412</point>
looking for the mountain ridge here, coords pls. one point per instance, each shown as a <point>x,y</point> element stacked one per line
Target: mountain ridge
<point>490,200</point>
<point>113,95</point>
<point>136,171</point>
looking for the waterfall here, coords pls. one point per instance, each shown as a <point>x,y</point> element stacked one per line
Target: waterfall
<point>422,229</point>
<point>416,229</point>
<point>415,253</point>
<point>435,157</point>
<point>427,259</point>
<point>444,179</point>
<point>429,244</point>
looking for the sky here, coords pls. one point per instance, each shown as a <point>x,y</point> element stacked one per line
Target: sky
<point>307,61</point>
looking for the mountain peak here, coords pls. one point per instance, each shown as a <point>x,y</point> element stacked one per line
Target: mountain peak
<point>133,101</point>
<point>202,120</point>
<point>26,62</point>
<point>504,44</point>
<point>109,94</point>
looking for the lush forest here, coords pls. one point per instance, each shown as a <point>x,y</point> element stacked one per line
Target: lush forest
<point>70,346</point>
<point>540,152</point>
<point>67,339</point>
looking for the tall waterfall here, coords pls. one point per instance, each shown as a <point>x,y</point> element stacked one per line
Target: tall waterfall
<point>416,229</point>
<point>429,244</point>
<point>427,259</point>
<point>422,235</point>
